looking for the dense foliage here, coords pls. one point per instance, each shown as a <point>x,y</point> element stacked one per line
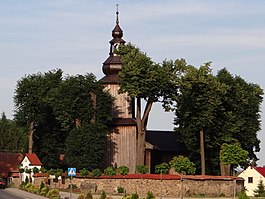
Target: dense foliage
<point>146,80</point>
<point>225,107</point>
<point>182,165</point>
<point>13,138</point>
<point>65,115</point>
<point>233,154</point>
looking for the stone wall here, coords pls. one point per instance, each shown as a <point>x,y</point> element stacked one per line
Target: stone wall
<point>166,188</point>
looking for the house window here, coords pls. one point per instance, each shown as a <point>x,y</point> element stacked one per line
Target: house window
<point>250,179</point>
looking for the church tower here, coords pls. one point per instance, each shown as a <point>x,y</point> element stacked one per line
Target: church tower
<point>121,143</point>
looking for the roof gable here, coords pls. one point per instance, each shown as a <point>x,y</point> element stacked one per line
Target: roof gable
<point>33,159</point>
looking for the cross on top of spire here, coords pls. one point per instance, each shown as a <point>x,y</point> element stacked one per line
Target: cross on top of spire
<point>117,13</point>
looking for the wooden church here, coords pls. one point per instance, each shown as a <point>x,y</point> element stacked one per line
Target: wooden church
<point>122,132</point>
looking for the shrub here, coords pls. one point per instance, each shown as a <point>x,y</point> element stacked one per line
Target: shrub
<point>109,171</point>
<point>81,196</point>
<point>141,169</point>
<point>35,170</point>
<point>96,173</point>
<point>183,165</point>
<point>89,196</point>
<point>123,170</point>
<point>84,172</point>
<point>162,168</point>
<point>53,193</point>
<point>120,190</point>
<point>44,191</point>
<point>27,186</point>
<point>242,195</point>
<point>134,196</point>
<point>52,172</point>
<point>26,180</point>
<point>42,185</point>
<point>28,171</point>
<point>150,195</point>
<point>260,191</point>
<point>21,170</point>
<point>103,195</point>
<point>43,170</point>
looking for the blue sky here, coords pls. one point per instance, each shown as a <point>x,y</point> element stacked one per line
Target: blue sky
<point>41,35</point>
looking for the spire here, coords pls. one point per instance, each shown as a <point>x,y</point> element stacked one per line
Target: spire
<point>113,64</point>
<point>117,14</point>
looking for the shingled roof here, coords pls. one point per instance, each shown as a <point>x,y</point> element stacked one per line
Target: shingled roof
<point>9,163</point>
<point>34,160</point>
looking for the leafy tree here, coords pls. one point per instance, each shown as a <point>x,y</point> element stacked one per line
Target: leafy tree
<point>31,100</point>
<point>233,154</point>
<point>260,191</point>
<point>83,142</point>
<point>142,79</point>
<point>182,165</point>
<point>12,137</point>
<point>221,106</point>
<point>240,117</point>
<point>53,108</point>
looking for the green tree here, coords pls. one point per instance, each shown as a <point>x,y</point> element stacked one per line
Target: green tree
<point>240,118</point>
<point>182,165</point>
<point>31,102</point>
<point>197,104</point>
<point>143,79</point>
<point>223,107</point>
<point>12,137</point>
<point>56,109</point>
<point>85,146</point>
<point>260,191</point>
<point>233,154</point>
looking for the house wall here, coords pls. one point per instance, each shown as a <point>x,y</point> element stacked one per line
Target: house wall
<point>256,176</point>
<point>26,164</point>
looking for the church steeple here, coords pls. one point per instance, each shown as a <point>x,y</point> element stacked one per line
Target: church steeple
<point>112,65</point>
<point>117,34</point>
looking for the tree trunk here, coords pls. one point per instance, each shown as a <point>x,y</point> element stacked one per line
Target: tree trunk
<point>225,169</point>
<point>141,129</point>
<point>202,152</point>
<point>30,137</point>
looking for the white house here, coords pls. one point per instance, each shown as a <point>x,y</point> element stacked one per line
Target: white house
<point>29,162</point>
<point>252,176</point>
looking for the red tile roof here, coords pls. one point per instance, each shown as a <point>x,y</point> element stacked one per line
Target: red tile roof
<point>33,158</point>
<point>261,170</point>
<point>9,163</point>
